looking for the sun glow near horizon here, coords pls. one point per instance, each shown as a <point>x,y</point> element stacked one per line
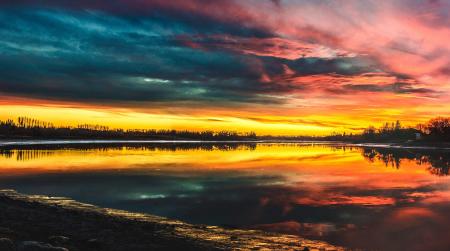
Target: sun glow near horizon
<point>272,67</point>
<point>120,118</point>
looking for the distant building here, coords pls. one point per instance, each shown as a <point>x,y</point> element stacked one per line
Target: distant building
<point>418,135</point>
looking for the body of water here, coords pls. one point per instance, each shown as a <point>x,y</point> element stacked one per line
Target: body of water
<point>360,197</point>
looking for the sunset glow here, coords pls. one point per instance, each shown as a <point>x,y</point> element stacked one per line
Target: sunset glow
<point>322,191</point>
<point>277,67</point>
<point>314,167</point>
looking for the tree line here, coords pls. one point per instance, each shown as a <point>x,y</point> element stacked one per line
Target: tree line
<point>435,130</point>
<point>391,131</point>
<point>25,127</point>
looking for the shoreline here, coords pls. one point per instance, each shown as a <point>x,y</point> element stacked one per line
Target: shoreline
<point>54,142</point>
<point>75,226</point>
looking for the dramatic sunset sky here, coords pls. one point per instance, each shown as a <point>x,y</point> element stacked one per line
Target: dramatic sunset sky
<point>275,67</point>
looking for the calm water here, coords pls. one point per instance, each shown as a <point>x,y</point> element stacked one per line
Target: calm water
<point>358,197</point>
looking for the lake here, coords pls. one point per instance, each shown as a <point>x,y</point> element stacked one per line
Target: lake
<point>359,197</point>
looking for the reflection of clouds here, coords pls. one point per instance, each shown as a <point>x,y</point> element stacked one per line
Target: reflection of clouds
<point>408,228</point>
<point>316,191</point>
<point>294,227</point>
<point>240,199</point>
<point>432,197</point>
<point>408,214</point>
<point>338,199</point>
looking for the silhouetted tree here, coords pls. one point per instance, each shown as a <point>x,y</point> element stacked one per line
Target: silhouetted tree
<point>439,128</point>
<point>29,127</point>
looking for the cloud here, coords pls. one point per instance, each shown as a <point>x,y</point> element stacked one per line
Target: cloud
<point>396,88</point>
<point>225,53</point>
<point>265,47</point>
<point>102,58</point>
<point>332,124</point>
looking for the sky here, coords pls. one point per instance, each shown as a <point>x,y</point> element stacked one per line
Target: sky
<point>279,67</point>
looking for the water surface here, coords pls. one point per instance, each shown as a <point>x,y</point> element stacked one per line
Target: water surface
<point>372,198</point>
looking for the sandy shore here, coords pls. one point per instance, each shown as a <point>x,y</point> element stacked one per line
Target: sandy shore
<point>62,224</point>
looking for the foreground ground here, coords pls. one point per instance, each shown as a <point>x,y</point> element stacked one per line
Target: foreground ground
<point>61,224</point>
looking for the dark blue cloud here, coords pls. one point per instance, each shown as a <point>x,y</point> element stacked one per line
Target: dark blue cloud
<point>82,54</point>
<point>99,57</point>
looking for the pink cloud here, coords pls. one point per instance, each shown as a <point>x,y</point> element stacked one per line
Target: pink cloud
<point>399,39</point>
<point>403,39</point>
<point>270,47</point>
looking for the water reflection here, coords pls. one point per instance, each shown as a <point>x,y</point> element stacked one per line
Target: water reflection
<point>359,197</point>
<point>30,152</point>
<point>438,161</point>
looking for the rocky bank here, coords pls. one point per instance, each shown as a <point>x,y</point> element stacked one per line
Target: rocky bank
<point>41,223</point>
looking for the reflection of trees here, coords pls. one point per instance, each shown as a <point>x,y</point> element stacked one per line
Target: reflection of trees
<point>438,161</point>
<point>388,158</point>
<point>439,166</point>
<point>23,153</point>
<point>6,153</point>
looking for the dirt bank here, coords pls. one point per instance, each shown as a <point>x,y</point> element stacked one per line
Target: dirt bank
<point>70,225</point>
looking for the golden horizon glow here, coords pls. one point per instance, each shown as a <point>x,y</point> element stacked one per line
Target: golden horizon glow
<point>277,125</point>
